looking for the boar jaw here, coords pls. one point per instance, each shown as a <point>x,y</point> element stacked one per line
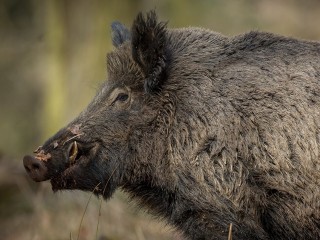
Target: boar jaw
<point>79,156</point>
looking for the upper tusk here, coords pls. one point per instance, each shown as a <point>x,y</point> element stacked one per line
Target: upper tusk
<point>73,152</point>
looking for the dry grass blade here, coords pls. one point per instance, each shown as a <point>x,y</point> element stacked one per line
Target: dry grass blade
<point>99,214</point>
<point>104,189</point>
<point>230,232</point>
<point>85,210</point>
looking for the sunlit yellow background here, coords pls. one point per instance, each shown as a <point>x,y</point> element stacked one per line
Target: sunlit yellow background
<point>52,59</point>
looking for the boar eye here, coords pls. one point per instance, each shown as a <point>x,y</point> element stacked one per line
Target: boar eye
<point>122,97</point>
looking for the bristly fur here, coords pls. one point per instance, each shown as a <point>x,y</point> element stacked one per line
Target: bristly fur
<point>149,49</point>
<point>120,34</point>
<point>229,133</point>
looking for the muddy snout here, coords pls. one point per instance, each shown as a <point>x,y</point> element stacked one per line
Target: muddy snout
<point>35,168</point>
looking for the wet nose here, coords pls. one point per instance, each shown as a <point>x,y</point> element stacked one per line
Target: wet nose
<point>35,168</point>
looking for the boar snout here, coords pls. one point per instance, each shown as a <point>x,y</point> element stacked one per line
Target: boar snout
<point>35,168</point>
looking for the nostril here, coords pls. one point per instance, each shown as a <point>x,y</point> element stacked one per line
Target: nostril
<point>29,162</point>
<point>27,168</point>
<point>36,166</point>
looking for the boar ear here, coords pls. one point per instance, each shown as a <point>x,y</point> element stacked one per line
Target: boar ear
<point>120,34</point>
<point>149,49</point>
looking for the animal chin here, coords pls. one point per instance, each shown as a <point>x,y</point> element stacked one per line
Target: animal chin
<point>79,155</point>
<point>62,180</point>
<point>65,180</point>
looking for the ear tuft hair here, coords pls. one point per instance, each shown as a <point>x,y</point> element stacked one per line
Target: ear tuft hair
<point>120,34</point>
<point>149,49</point>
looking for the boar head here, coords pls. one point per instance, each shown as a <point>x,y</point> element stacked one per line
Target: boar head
<point>120,136</point>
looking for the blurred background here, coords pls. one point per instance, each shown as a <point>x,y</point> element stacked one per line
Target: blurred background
<point>52,58</point>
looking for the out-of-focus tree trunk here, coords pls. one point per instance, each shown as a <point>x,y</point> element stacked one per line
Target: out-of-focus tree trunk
<point>54,101</point>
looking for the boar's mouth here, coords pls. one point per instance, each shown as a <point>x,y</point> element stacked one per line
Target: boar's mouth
<point>77,159</point>
<point>63,167</point>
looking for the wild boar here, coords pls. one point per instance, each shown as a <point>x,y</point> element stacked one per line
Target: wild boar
<point>204,130</point>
